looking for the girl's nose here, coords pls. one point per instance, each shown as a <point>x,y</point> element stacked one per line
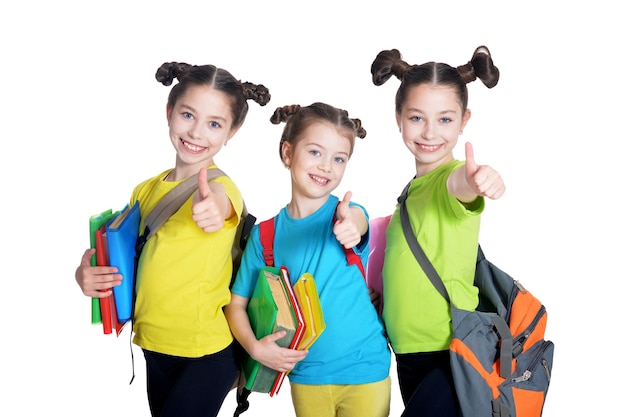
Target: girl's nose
<point>324,165</point>
<point>194,131</point>
<point>429,130</point>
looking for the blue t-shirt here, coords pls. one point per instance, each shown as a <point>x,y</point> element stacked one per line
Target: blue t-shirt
<point>353,349</point>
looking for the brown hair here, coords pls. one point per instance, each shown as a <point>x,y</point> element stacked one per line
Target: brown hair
<point>216,78</point>
<point>389,62</point>
<point>298,118</point>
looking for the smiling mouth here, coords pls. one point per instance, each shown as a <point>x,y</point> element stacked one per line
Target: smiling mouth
<point>191,146</point>
<point>428,148</point>
<point>319,180</point>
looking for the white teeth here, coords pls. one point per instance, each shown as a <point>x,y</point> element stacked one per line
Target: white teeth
<point>318,179</point>
<point>191,147</point>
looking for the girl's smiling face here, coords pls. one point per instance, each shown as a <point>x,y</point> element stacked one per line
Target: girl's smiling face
<point>200,124</point>
<point>317,160</point>
<point>430,122</point>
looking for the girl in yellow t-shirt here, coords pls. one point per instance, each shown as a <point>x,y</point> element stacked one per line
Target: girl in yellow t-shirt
<point>185,269</point>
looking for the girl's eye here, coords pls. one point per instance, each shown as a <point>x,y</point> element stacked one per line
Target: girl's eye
<point>445,120</point>
<point>314,152</point>
<point>416,118</point>
<point>340,160</point>
<point>187,115</point>
<point>214,125</point>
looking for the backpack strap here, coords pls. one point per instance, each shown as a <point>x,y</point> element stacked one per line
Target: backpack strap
<point>170,203</point>
<point>417,250</point>
<point>354,259</point>
<point>266,231</point>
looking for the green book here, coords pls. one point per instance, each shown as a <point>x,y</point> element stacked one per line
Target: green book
<point>270,310</point>
<point>95,222</point>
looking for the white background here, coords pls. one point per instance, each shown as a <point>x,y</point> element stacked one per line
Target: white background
<point>83,121</point>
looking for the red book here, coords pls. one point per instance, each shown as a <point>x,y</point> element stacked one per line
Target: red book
<point>108,311</point>
<point>102,259</point>
<point>118,325</point>
<point>297,337</point>
<point>95,222</point>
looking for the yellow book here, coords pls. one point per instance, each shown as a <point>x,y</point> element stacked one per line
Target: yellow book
<point>309,300</point>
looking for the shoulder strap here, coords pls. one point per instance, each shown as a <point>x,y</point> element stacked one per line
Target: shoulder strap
<point>417,250</point>
<point>266,231</point>
<point>170,203</point>
<point>354,259</point>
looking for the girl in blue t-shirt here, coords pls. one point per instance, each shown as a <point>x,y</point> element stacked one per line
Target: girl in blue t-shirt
<point>346,371</point>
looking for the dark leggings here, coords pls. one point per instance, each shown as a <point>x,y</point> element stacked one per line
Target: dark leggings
<point>189,386</point>
<point>426,385</point>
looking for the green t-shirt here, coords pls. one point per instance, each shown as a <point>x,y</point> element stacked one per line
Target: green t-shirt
<point>416,316</point>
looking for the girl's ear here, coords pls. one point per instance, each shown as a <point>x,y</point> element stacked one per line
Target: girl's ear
<point>168,113</point>
<point>466,117</point>
<point>286,153</point>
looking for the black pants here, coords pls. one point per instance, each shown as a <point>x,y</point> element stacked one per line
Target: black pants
<point>189,387</point>
<point>426,385</point>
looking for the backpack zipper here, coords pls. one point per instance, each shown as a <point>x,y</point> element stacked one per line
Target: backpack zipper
<point>520,340</point>
<point>546,368</point>
<point>538,357</point>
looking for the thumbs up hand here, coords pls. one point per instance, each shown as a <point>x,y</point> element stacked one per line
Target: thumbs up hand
<point>348,227</point>
<point>206,209</point>
<point>482,179</point>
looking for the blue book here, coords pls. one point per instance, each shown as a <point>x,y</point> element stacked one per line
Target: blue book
<point>122,235</point>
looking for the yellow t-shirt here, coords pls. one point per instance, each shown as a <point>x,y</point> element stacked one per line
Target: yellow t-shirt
<point>183,278</point>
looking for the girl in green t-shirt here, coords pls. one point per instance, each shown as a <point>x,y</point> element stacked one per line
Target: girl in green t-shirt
<point>445,200</point>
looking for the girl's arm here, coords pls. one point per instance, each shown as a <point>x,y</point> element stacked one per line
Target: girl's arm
<point>352,223</point>
<point>472,180</point>
<point>211,205</point>
<point>264,350</point>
